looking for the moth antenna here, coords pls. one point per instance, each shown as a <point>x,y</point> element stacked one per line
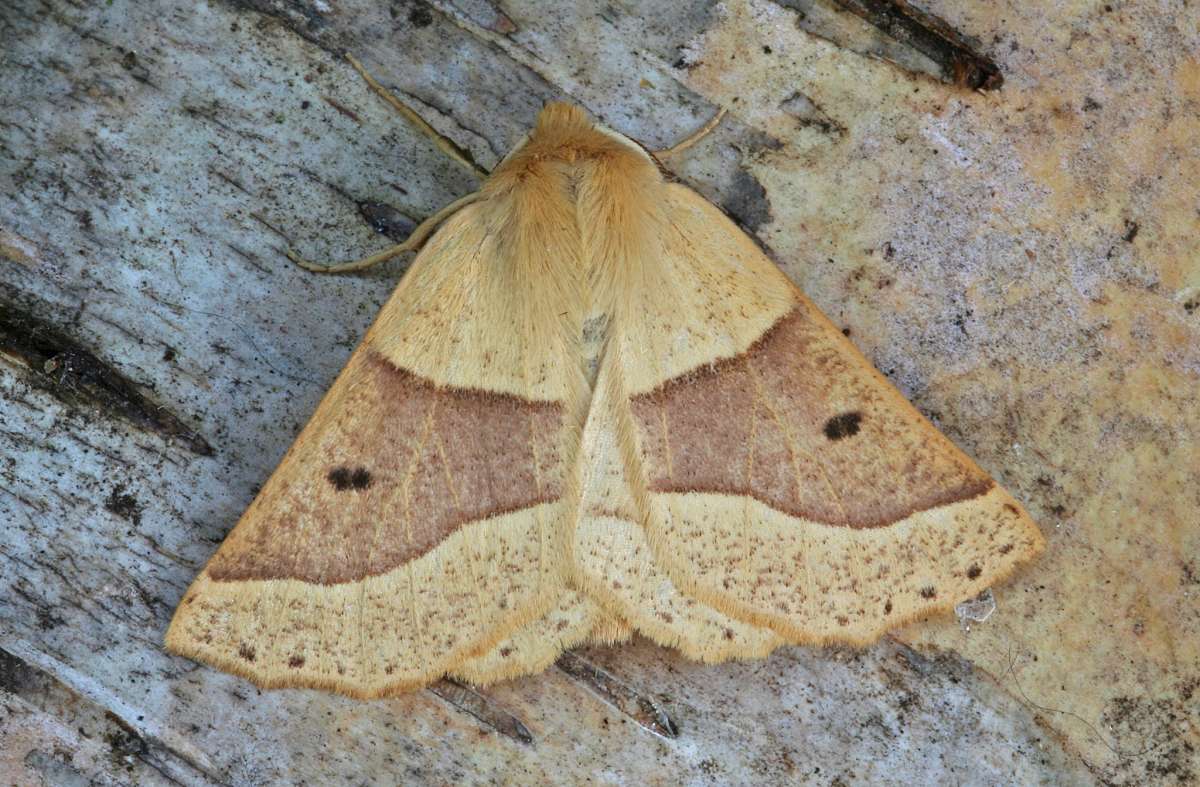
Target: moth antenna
<point>422,232</point>
<point>412,243</point>
<point>694,137</point>
<point>445,144</point>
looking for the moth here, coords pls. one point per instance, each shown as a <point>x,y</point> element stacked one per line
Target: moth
<point>593,406</point>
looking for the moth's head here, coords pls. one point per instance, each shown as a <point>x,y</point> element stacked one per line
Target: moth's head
<point>565,135</point>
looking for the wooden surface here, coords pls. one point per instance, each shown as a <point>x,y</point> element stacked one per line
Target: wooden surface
<point>1021,263</point>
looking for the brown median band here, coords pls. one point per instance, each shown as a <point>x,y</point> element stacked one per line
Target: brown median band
<point>395,465</point>
<point>800,423</point>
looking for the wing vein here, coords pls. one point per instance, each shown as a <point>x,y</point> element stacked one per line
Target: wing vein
<point>792,446</point>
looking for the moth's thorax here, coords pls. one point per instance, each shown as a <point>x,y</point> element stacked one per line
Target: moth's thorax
<point>565,135</point>
<point>576,208</point>
<point>568,156</point>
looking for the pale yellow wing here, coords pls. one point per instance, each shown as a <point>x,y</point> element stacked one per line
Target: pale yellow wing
<point>535,646</point>
<point>422,515</point>
<point>613,559</point>
<point>785,482</point>
<point>575,620</point>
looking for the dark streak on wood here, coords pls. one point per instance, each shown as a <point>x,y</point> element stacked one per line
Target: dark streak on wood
<point>386,220</point>
<point>61,366</point>
<point>637,706</point>
<point>343,110</point>
<point>126,744</point>
<point>483,708</point>
<point>231,181</point>
<point>933,37</point>
<point>17,677</point>
<point>301,18</point>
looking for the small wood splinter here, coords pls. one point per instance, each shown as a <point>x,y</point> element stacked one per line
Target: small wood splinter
<point>592,406</point>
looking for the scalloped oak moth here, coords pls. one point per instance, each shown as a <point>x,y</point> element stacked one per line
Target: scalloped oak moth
<point>591,406</point>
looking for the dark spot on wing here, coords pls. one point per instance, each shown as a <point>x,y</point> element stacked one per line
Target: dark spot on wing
<point>974,571</point>
<point>344,478</point>
<point>844,425</point>
<point>246,652</point>
<point>929,591</point>
<point>887,608</point>
<point>296,662</point>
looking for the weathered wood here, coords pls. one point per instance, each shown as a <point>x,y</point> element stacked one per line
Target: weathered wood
<point>157,159</point>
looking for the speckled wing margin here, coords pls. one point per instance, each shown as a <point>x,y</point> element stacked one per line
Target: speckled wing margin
<point>784,482</point>
<point>422,515</point>
<point>532,648</point>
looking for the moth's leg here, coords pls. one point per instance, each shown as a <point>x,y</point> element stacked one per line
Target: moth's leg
<point>444,144</point>
<point>412,243</point>
<point>692,138</point>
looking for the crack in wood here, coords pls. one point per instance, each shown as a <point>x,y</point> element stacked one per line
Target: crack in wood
<point>68,371</point>
<point>45,616</point>
<point>637,706</point>
<point>17,677</point>
<point>483,708</point>
<point>488,14</point>
<point>343,110</point>
<point>961,64</point>
<point>47,694</point>
<point>301,18</point>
